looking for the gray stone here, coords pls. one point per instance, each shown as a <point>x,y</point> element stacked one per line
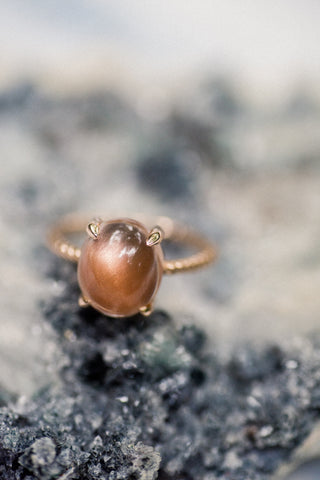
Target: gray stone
<point>93,397</point>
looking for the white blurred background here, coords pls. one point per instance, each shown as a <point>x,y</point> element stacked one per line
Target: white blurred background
<point>268,46</point>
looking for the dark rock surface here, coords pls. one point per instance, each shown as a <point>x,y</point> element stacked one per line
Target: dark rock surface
<point>142,399</point>
<point>83,396</point>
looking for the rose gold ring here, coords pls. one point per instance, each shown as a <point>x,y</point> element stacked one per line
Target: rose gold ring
<point>121,262</point>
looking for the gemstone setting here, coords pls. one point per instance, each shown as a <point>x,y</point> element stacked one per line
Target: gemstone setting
<point>119,273</point>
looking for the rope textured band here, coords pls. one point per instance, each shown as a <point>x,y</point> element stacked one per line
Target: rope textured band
<point>73,224</point>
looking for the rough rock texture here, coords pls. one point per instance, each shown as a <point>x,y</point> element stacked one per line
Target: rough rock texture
<point>85,397</point>
<point>143,399</point>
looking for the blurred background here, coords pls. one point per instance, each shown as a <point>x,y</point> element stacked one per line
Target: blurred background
<point>207,111</point>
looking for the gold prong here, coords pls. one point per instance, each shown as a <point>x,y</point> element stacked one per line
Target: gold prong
<point>155,236</point>
<point>93,230</point>
<point>83,302</point>
<point>146,310</point>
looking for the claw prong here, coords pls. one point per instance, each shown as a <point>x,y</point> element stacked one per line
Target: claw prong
<point>155,236</point>
<point>93,230</point>
<point>82,302</point>
<point>146,310</point>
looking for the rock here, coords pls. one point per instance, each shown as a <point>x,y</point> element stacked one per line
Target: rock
<point>146,398</point>
<point>142,398</point>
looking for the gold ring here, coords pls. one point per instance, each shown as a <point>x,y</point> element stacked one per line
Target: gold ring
<point>121,262</point>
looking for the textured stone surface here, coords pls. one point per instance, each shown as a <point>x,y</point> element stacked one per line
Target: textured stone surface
<point>87,397</point>
<point>139,391</point>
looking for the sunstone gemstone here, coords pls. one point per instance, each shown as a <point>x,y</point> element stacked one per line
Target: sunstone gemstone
<point>118,273</point>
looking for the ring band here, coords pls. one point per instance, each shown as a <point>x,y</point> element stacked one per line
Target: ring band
<point>121,263</point>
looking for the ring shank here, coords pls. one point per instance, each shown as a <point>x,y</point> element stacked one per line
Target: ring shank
<point>206,253</point>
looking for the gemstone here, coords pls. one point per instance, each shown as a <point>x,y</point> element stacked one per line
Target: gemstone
<point>118,272</point>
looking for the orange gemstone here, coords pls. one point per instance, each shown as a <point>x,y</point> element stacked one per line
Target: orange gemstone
<point>117,272</point>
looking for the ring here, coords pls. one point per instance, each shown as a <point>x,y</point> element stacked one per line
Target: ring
<point>121,262</point>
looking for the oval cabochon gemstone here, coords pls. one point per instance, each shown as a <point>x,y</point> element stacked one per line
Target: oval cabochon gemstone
<point>118,272</point>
